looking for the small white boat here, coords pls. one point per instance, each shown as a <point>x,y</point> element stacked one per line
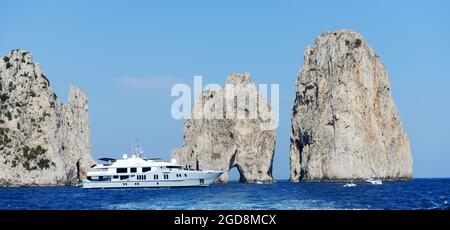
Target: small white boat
<point>348,185</point>
<point>259,182</point>
<point>374,180</point>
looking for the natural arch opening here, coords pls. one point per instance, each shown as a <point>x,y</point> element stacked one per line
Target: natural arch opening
<point>234,170</point>
<point>235,174</point>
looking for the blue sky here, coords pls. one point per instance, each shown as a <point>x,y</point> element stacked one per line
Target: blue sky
<point>127,54</point>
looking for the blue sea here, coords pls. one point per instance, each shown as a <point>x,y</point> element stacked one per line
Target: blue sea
<point>415,194</point>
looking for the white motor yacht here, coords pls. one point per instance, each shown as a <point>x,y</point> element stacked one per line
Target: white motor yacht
<point>374,180</point>
<point>137,172</point>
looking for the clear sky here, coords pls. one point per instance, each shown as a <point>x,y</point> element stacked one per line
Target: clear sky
<point>126,55</point>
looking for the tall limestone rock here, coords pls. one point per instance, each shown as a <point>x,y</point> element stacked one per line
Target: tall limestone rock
<point>243,139</point>
<point>344,123</point>
<point>42,141</point>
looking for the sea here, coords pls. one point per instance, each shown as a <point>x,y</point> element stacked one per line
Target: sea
<point>422,194</point>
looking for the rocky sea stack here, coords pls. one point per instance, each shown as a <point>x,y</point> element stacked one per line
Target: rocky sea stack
<point>345,123</point>
<point>247,143</point>
<point>42,141</point>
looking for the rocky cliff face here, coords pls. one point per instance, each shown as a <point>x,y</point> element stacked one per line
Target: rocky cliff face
<point>240,140</point>
<point>42,141</point>
<point>344,123</point>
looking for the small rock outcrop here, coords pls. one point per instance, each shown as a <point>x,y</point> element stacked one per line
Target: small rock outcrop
<point>42,141</point>
<point>230,133</point>
<point>345,123</point>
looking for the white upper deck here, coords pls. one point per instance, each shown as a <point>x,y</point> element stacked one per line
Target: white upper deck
<point>136,161</point>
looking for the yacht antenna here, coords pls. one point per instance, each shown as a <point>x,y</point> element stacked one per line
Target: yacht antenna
<point>138,148</point>
<point>140,151</point>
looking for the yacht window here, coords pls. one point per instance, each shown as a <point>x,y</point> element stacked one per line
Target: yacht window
<point>145,177</point>
<point>185,175</point>
<point>173,167</point>
<point>146,169</point>
<point>104,178</point>
<point>115,177</point>
<point>133,170</point>
<point>121,170</point>
<point>139,177</point>
<point>123,177</point>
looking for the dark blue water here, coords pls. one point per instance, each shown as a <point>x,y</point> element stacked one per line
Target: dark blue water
<point>416,194</point>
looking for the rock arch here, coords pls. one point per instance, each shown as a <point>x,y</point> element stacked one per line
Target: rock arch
<point>223,144</point>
